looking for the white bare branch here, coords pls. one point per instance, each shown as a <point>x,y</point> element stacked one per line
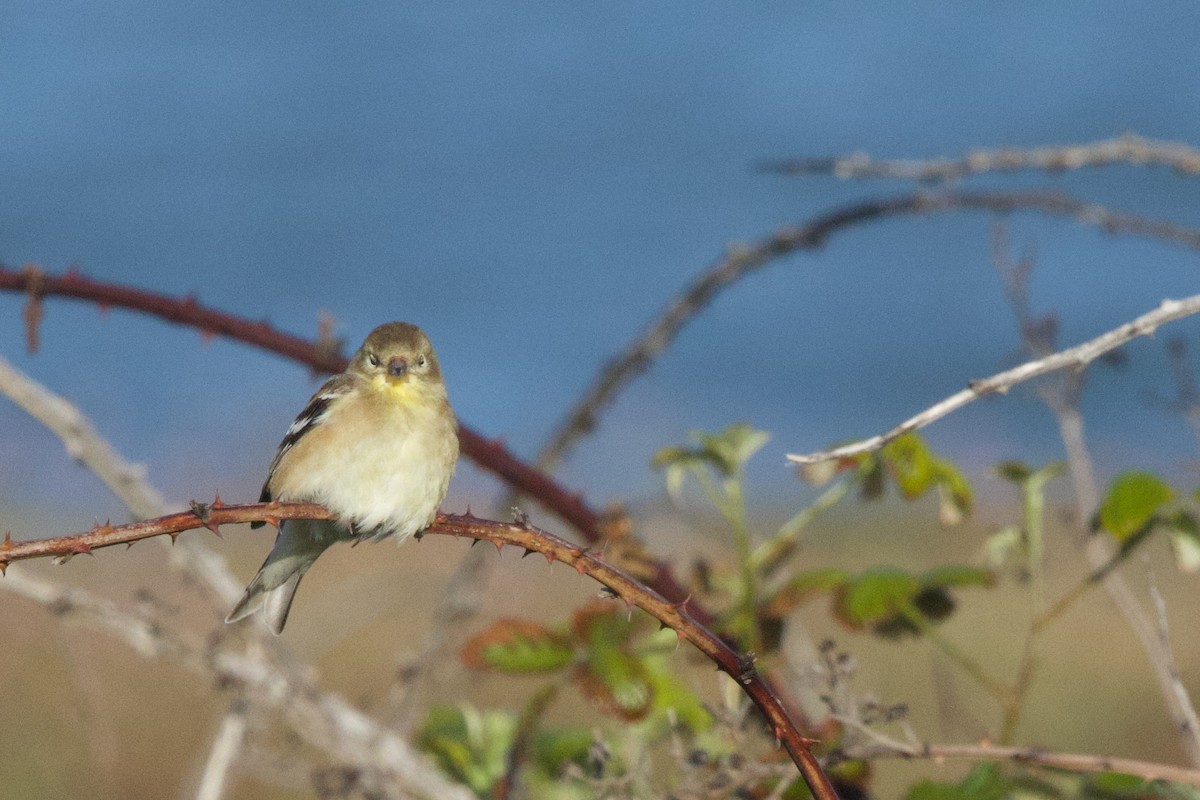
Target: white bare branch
<point>1075,357</point>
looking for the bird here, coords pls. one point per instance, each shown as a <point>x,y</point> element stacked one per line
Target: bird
<point>376,445</point>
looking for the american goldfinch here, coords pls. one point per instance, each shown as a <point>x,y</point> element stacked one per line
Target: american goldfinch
<point>376,445</point>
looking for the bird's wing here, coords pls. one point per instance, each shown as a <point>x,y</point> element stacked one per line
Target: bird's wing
<point>314,414</point>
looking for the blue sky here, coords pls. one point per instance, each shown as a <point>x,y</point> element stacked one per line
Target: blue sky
<point>532,182</point>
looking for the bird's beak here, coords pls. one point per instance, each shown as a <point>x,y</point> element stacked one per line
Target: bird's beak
<point>397,367</point>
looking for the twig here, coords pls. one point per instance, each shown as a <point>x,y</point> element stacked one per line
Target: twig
<point>223,754</point>
<point>1064,404</point>
<point>1127,149</point>
<point>1190,725</point>
<point>738,666</point>
<point>741,260</point>
<point>321,719</point>
<point>490,454</point>
<point>1075,357</point>
<point>887,747</point>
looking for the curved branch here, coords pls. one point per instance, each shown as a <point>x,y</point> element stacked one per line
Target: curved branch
<point>737,665</point>
<point>322,356</point>
<point>636,358</point>
<point>1075,357</point>
<point>1127,149</point>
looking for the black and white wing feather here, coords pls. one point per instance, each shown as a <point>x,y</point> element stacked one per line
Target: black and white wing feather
<point>314,414</point>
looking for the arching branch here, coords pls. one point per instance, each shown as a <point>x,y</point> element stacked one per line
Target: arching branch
<point>742,260</point>
<point>738,666</point>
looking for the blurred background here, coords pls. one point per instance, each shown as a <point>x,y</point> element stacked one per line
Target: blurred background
<point>532,183</point>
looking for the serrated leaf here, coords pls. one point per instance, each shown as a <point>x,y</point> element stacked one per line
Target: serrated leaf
<point>874,596</point>
<point>1132,501</point>
<point>517,647</point>
<point>801,588</point>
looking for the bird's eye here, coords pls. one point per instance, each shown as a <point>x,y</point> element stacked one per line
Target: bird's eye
<point>373,359</point>
<point>421,360</point>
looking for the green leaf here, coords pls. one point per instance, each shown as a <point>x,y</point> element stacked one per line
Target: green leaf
<point>675,700</point>
<point>911,463</point>
<point>957,497</point>
<point>614,680</point>
<point>1131,503</point>
<point>1015,471</point>
<point>984,782</point>
<point>726,451</point>
<point>733,447</point>
<point>874,596</point>
<point>554,748</point>
<point>469,745</point>
<point>517,647</point>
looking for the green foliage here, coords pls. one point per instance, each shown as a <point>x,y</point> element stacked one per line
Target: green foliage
<point>473,746</point>
<point>515,647</point>
<point>916,469</point>
<point>470,745</point>
<point>887,600</point>
<point>1132,503</point>
<point>611,658</point>
<point>725,452</point>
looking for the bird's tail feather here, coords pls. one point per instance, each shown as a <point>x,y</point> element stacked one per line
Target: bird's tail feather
<point>298,545</point>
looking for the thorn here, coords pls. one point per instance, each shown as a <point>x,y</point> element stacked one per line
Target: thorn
<point>528,552</point>
<point>499,547</point>
<point>580,556</point>
<point>174,535</point>
<point>3,568</point>
<point>272,521</point>
<point>81,548</point>
<point>662,626</point>
<point>201,510</point>
<point>475,542</point>
<point>7,544</point>
<point>468,513</point>
<point>129,545</point>
<point>216,503</point>
<point>98,528</point>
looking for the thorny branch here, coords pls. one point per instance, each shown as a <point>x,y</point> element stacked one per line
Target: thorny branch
<point>737,665</point>
<point>1127,149</point>
<point>321,355</point>
<point>1073,358</point>
<point>741,260</point>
